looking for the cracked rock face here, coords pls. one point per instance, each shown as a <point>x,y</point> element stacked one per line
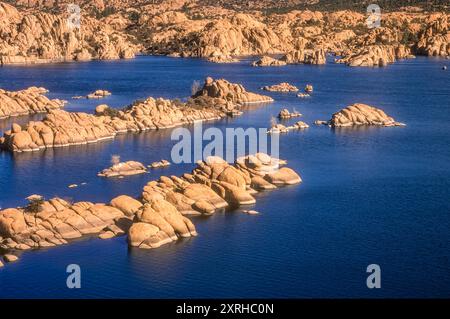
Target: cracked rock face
<point>362,114</point>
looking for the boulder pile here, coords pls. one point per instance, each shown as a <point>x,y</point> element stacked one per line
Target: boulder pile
<point>28,101</point>
<point>281,87</point>
<point>124,169</point>
<point>157,217</point>
<point>217,99</point>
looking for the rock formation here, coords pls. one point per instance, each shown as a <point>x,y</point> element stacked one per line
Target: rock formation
<point>268,61</point>
<point>24,102</point>
<point>435,39</point>
<point>361,114</point>
<point>286,114</point>
<point>99,94</point>
<point>231,92</point>
<point>377,55</point>
<point>123,169</point>
<point>161,163</point>
<point>305,57</point>
<point>157,218</point>
<point>281,87</point>
<point>222,59</point>
<point>44,37</point>
<point>59,128</point>
<point>219,32</point>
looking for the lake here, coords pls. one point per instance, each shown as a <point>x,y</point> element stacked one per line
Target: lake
<point>369,195</point>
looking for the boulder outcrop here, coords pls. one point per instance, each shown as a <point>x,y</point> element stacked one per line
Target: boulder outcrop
<point>222,59</point>
<point>376,56</point>
<point>28,101</point>
<point>41,37</point>
<point>286,114</point>
<point>228,91</point>
<point>98,94</point>
<point>124,169</point>
<point>217,99</point>
<point>305,56</point>
<point>157,218</point>
<point>362,114</point>
<point>281,87</point>
<point>268,61</point>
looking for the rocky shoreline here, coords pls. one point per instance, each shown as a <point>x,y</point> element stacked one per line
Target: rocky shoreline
<point>156,218</point>
<point>215,100</point>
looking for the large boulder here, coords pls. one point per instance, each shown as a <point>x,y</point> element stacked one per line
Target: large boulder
<point>128,205</point>
<point>12,222</point>
<point>283,176</point>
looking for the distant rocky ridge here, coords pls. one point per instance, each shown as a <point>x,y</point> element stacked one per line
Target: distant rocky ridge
<point>217,32</point>
<point>28,101</point>
<point>157,217</point>
<point>43,37</point>
<point>217,99</point>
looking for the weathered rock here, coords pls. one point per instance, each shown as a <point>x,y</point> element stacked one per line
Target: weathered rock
<point>162,163</point>
<point>12,221</point>
<point>230,92</point>
<point>281,87</point>
<point>362,114</point>
<point>158,223</point>
<point>305,57</point>
<point>222,59</point>
<point>158,219</point>
<point>29,101</point>
<point>376,55</point>
<point>59,128</point>
<point>106,235</point>
<point>99,94</point>
<point>277,129</point>
<point>124,169</point>
<point>283,176</point>
<point>268,61</point>
<point>10,258</point>
<point>285,114</point>
<point>301,125</point>
<point>31,38</point>
<point>128,205</point>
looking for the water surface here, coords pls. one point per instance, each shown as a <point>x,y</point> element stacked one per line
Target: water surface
<point>371,195</point>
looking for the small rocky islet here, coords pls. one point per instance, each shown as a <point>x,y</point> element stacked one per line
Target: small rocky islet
<point>156,218</point>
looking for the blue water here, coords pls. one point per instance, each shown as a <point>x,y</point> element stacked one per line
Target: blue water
<point>369,196</point>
